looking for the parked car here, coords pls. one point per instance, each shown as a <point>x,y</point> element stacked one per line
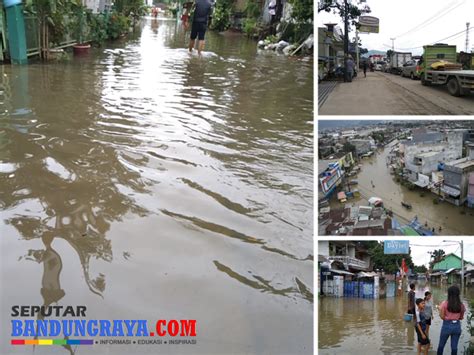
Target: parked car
<point>410,69</point>
<point>379,65</point>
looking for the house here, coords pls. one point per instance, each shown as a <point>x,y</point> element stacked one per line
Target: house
<point>424,153</point>
<point>362,146</point>
<point>447,269</point>
<point>470,191</point>
<point>353,256</point>
<point>331,44</point>
<point>456,180</point>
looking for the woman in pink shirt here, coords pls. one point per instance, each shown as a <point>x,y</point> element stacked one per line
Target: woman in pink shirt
<point>451,312</point>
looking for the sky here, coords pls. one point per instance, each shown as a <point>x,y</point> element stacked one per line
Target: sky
<point>421,246</point>
<point>414,23</point>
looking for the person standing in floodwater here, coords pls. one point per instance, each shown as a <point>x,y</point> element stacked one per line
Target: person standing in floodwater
<point>420,327</point>
<point>202,12</point>
<point>411,299</point>
<point>451,312</point>
<point>428,311</point>
<point>364,67</point>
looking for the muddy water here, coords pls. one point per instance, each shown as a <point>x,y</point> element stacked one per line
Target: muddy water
<point>446,215</point>
<point>363,326</point>
<point>148,183</point>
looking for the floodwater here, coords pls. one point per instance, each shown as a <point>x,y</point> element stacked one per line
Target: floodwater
<point>364,326</point>
<point>145,182</point>
<point>444,215</point>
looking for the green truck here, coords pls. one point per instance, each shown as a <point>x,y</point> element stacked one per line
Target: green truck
<point>459,82</point>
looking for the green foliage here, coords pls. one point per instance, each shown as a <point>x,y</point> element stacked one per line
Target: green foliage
<point>118,25</point>
<point>420,269</point>
<point>271,39</point>
<point>295,32</point>
<point>348,147</point>
<point>390,263</point>
<point>252,9</point>
<point>58,27</point>
<point>221,15</point>
<point>436,256</point>
<point>302,10</point>
<point>78,25</point>
<point>98,27</point>
<point>250,27</point>
<point>335,6</point>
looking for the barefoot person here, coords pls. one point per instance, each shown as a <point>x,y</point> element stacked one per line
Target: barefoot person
<point>420,327</point>
<point>202,11</point>
<point>451,312</point>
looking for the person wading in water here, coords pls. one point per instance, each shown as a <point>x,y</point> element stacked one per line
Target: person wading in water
<point>202,12</point>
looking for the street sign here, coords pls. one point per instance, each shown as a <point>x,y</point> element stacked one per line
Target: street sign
<point>396,247</point>
<point>368,24</point>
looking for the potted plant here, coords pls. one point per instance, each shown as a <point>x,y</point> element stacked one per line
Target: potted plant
<point>79,29</point>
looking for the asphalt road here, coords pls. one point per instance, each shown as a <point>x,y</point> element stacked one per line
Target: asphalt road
<point>388,94</point>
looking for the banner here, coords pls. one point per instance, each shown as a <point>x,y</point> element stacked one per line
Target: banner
<point>396,247</point>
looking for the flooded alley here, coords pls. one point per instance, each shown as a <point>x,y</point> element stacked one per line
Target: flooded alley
<point>145,182</point>
<point>377,326</point>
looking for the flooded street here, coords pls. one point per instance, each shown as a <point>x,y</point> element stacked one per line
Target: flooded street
<point>145,182</point>
<point>446,215</point>
<point>377,326</point>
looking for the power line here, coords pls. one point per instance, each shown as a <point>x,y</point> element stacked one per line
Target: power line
<point>450,7</point>
<point>457,35</point>
<point>433,18</point>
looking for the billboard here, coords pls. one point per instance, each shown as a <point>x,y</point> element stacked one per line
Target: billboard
<point>396,247</point>
<point>368,24</point>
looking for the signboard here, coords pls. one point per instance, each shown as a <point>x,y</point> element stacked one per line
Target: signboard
<point>396,247</point>
<point>368,24</point>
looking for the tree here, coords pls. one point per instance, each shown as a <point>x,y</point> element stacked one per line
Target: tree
<point>420,269</point>
<point>302,10</point>
<point>436,256</point>
<point>347,147</point>
<point>390,263</point>
<point>337,7</point>
<point>389,53</point>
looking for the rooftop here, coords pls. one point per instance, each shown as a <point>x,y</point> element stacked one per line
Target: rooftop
<point>426,155</point>
<point>461,163</point>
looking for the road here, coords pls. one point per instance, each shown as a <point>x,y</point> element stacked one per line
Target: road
<point>388,94</point>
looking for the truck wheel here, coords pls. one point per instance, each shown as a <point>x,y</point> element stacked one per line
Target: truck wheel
<point>453,87</point>
<point>424,82</point>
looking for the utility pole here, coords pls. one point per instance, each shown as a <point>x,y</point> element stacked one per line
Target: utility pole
<point>393,44</point>
<point>467,36</point>
<point>346,40</point>
<point>357,48</point>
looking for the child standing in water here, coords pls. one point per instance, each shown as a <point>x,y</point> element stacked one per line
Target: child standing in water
<point>420,327</point>
<point>428,311</point>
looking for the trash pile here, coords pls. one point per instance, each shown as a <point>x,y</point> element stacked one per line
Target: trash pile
<point>285,47</point>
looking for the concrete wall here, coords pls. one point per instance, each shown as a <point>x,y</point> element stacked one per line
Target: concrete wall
<point>323,248</point>
<point>362,145</point>
<point>449,149</point>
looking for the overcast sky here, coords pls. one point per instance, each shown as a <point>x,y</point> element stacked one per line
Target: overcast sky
<point>414,23</point>
<point>421,246</point>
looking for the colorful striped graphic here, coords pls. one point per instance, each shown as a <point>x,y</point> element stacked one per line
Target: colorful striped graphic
<point>51,342</point>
